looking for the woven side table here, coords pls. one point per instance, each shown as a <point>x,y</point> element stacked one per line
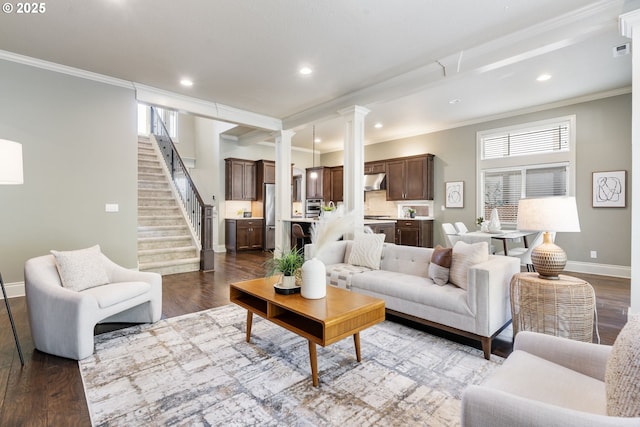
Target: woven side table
<point>563,307</point>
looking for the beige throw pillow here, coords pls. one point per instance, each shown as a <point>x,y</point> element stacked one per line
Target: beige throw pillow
<point>439,265</point>
<point>464,256</point>
<point>622,376</point>
<point>366,250</point>
<point>81,269</point>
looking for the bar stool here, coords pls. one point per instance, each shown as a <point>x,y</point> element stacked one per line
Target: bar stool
<point>299,235</point>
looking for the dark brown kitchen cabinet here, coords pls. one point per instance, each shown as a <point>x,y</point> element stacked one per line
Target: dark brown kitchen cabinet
<point>243,234</point>
<point>374,167</point>
<point>410,178</point>
<point>265,174</point>
<point>296,188</point>
<point>266,171</point>
<point>336,177</point>
<point>320,186</point>
<point>240,179</point>
<point>388,229</point>
<point>414,232</point>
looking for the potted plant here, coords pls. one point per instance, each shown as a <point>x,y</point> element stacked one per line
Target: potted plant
<point>287,264</point>
<point>411,212</point>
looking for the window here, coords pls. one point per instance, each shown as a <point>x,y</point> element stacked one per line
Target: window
<point>530,160</point>
<point>170,120</point>
<point>143,119</point>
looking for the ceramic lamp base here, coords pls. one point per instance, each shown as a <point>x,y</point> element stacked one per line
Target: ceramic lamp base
<point>548,259</point>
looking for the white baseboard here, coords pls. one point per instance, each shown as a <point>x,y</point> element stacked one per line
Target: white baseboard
<point>599,269</point>
<point>220,248</point>
<point>13,290</point>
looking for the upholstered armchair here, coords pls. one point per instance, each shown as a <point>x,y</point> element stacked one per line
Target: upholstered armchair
<point>63,318</point>
<point>550,381</point>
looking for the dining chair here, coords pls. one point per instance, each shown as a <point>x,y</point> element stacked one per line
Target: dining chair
<point>525,253</point>
<point>450,234</point>
<point>461,227</point>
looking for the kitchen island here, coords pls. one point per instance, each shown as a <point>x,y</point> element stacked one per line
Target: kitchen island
<point>385,226</point>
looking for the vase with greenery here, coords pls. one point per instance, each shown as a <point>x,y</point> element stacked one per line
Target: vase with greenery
<point>411,212</point>
<point>287,264</point>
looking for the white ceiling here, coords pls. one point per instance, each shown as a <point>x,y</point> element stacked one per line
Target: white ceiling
<point>404,59</point>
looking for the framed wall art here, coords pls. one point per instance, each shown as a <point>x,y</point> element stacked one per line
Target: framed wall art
<point>454,194</point>
<point>609,189</point>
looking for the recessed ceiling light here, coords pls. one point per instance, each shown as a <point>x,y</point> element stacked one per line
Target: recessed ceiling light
<point>318,140</point>
<point>305,71</point>
<point>543,77</point>
<point>186,82</point>
<point>377,125</point>
<point>454,101</point>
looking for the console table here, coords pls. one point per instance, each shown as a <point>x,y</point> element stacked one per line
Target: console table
<point>563,307</point>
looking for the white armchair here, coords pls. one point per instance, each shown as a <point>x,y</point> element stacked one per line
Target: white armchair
<point>62,320</point>
<point>547,381</point>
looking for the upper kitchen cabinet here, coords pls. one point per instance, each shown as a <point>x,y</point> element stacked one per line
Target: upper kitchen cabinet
<point>265,174</point>
<point>410,178</point>
<point>296,188</point>
<point>337,190</point>
<point>240,179</point>
<point>266,171</point>
<point>320,186</point>
<point>371,168</point>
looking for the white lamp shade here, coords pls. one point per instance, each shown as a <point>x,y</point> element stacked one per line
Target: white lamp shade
<point>548,214</point>
<point>10,162</point>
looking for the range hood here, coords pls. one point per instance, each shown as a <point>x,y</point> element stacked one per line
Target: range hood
<point>373,182</point>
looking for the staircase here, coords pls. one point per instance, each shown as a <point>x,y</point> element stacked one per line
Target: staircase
<point>165,242</point>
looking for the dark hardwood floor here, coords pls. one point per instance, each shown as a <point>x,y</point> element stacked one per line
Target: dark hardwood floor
<point>48,390</point>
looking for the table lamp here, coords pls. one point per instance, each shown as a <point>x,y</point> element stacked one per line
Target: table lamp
<point>11,173</point>
<point>548,214</point>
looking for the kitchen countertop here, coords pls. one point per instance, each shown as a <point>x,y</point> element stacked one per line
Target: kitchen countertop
<point>366,221</point>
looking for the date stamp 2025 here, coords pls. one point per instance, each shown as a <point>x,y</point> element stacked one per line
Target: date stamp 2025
<point>24,8</point>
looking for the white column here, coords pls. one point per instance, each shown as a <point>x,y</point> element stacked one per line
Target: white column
<point>353,173</point>
<point>283,190</point>
<point>630,27</point>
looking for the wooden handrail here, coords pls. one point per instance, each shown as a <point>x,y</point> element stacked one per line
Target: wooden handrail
<point>200,213</point>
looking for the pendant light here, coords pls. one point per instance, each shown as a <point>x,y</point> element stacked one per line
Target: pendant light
<point>313,174</point>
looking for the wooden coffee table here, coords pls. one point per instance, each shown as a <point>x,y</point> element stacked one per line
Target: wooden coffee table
<point>322,321</point>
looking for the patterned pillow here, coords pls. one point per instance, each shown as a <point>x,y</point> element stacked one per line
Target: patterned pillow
<point>439,265</point>
<point>466,255</point>
<point>81,269</point>
<point>366,250</point>
<point>622,376</point>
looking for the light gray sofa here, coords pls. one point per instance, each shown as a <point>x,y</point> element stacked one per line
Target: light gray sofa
<point>480,312</point>
<point>62,321</point>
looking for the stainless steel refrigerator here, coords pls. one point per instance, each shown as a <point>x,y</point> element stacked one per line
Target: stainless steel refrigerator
<point>269,204</point>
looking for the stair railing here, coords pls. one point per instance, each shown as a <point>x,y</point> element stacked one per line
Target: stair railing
<point>200,214</point>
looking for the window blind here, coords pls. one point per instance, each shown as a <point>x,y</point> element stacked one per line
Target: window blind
<point>536,141</point>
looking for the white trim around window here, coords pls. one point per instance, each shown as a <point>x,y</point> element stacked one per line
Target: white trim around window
<point>539,159</point>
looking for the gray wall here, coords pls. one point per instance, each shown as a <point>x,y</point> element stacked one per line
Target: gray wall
<point>79,152</point>
<point>603,143</point>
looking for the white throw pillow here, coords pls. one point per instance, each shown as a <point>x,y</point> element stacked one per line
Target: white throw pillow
<point>81,269</point>
<point>366,250</point>
<point>622,376</point>
<point>466,255</point>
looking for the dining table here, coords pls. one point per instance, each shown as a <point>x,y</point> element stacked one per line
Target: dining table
<point>504,235</point>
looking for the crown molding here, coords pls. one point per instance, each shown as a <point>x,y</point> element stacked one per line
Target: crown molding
<point>63,69</point>
<point>155,96</point>
<point>628,21</point>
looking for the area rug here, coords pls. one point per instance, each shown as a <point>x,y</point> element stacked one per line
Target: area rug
<point>198,370</point>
